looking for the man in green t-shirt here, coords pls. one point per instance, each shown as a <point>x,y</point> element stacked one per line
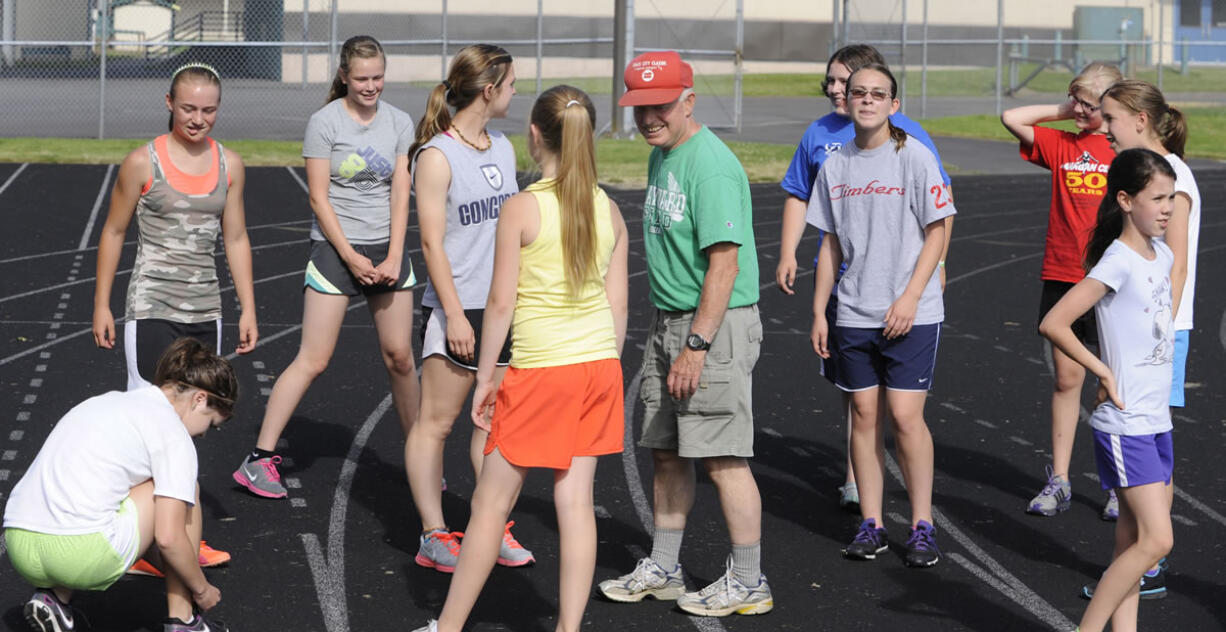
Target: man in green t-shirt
<point>704,341</point>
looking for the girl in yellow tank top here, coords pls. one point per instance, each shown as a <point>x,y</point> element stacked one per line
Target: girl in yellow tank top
<point>560,274</point>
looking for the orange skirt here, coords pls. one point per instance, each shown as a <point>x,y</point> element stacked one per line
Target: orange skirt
<point>544,417</point>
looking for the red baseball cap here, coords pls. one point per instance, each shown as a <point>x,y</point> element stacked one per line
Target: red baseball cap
<point>656,78</point>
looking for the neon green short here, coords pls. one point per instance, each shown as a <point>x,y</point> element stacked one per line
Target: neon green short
<point>79,562</point>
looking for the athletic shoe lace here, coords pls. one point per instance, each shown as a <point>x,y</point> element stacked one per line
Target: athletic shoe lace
<point>450,539</point>
<point>866,535</point>
<point>510,539</point>
<point>270,468</point>
<point>920,540</point>
<point>1053,484</point>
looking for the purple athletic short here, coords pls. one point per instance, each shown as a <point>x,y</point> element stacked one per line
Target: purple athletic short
<point>1133,460</point>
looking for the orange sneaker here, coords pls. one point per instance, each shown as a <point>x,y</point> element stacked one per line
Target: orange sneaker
<point>141,567</point>
<point>210,557</point>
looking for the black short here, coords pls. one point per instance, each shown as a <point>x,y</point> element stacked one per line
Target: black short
<point>146,339</point>
<point>434,337</point>
<point>1085,327</point>
<point>326,273</point>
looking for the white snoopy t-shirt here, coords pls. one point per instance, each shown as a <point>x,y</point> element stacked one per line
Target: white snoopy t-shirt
<point>1136,337</point>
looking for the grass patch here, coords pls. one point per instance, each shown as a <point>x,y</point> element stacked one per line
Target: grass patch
<point>91,151</point>
<point>1206,130</point>
<point>621,162</point>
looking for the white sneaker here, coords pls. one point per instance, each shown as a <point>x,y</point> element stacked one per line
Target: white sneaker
<point>648,579</point>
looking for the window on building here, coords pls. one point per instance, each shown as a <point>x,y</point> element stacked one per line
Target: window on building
<point>1189,12</point>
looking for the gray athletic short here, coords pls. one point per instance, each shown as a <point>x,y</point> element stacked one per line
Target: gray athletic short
<point>718,419</point>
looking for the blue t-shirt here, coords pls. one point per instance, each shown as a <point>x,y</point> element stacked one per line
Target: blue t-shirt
<point>824,137</point>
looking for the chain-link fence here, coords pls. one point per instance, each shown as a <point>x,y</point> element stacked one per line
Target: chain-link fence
<point>98,68</point>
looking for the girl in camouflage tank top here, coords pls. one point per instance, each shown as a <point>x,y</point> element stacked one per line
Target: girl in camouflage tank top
<point>184,189</point>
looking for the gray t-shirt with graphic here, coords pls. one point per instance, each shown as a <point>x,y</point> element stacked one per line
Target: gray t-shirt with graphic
<point>480,182</point>
<point>362,158</point>
<point>878,202</point>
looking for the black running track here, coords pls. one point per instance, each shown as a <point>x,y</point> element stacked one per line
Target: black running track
<point>338,556</point>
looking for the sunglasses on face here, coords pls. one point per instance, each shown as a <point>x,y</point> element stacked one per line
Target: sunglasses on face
<point>1085,105</point>
<point>860,93</point>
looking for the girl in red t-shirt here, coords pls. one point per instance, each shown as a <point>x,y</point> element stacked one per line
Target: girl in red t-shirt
<point>1078,164</point>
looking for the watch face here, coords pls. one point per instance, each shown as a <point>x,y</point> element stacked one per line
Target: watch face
<point>696,342</point>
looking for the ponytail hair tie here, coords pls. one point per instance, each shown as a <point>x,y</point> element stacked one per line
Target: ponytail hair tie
<point>573,102</point>
<point>447,85</point>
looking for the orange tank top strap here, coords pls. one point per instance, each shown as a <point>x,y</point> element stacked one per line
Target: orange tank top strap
<point>163,168</point>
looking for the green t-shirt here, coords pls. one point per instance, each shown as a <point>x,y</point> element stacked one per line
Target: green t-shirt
<point>697,195</point>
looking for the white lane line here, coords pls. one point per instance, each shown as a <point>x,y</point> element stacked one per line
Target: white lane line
<point>1016,590</point>
<point>56,253</point>
<point>1202,507</point>
<point>13,176</point>
<point>93,215</point>
<point>298,179</point>
<point>329,569</point>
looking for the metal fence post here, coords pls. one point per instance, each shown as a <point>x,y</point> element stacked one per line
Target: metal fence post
<point>332,35</point>
<point>306,12</point>
<point>627,113</point>
<point>1000,50</point>
<point>902,62</point>
<point>540,34</point>
<point>740,56</point>
<point>1161,41</point>
<point>442,56</point>
<point>104,40</point>
<point>924,68</point>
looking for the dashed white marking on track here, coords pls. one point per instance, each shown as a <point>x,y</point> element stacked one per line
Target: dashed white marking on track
<point>293,483</point>
<point>601,512</point>
<point>985,423</point>
<point>772,432</point>
<point>265,391</point>
<point>257,364</point>
<point>36,382</point>
<point>1002,348</point>
<point>30,398</point>
<point>4,475</point>
<point>1036,361</point>
<point>52,335</point>
<point>42,368</point>
<point>1020,441</point>
<point>1185,419</point>
<point>297,502</point>
<point>8,455</point>
<point>23,415</point>
<point>16,435</point>
<point>953,407</point>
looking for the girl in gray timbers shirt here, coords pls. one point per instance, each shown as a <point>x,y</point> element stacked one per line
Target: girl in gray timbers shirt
<point>882,201</point>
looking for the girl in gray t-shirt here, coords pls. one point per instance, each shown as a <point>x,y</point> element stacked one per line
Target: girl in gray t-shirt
<point>357,164</point>
<point>883,203</point>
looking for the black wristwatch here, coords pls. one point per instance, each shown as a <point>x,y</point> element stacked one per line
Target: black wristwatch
<point>696,342</point>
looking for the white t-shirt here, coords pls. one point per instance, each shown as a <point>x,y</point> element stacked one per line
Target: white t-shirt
<point>95,455</point>
<point>878,202</point>
<point>1185,183</point>
<point>1136,338</point>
